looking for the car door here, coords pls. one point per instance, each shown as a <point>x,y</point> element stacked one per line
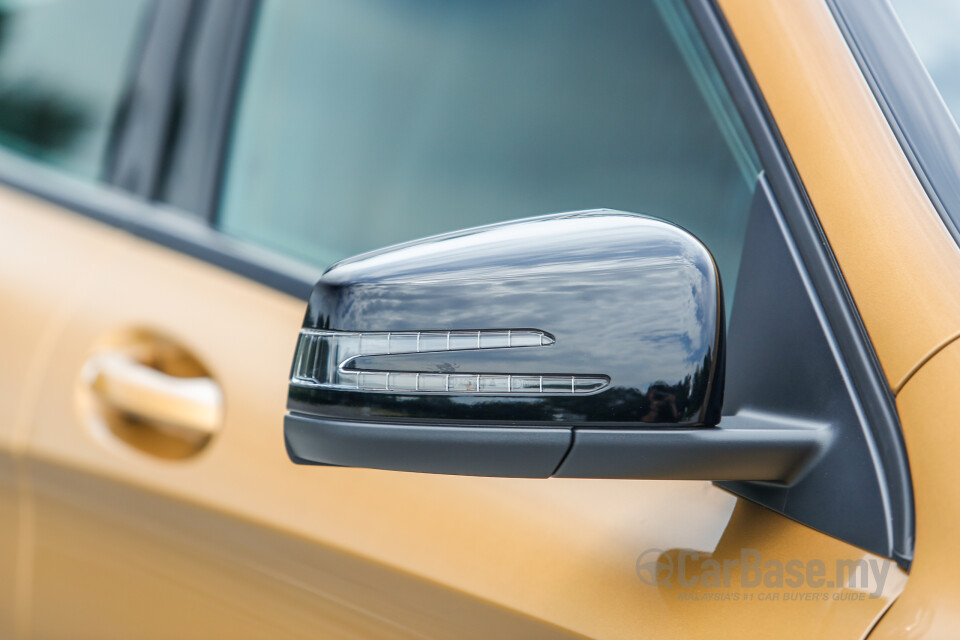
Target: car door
<point>56,110</point>
<point>158,499</point>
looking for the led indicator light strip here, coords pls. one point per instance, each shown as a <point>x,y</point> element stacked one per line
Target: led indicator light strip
<point>323,357</point>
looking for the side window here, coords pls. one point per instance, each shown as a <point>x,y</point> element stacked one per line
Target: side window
<point>63,64</point>
<point>931,27</point>
<point>366,123</point>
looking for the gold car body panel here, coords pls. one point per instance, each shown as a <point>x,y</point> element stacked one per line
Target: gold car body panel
<point>30,319</point>
<point>928,607</point>
<point>236,541</point>
<point>894,251</point>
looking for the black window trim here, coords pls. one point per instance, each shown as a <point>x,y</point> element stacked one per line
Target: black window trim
<point>217,64</point>
<point>187,43</point>
<point>148,105</point>
<point>158,223</point>
<point>196,237</point>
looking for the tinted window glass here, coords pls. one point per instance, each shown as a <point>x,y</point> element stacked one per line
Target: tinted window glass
<point>63,64</point>
<point>932,26</point>
<point>363,123</point>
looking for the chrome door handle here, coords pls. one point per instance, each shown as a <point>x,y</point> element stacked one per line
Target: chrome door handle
<point>126,385</point>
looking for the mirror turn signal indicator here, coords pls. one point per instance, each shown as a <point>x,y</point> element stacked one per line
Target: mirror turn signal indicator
<point>323,360</point>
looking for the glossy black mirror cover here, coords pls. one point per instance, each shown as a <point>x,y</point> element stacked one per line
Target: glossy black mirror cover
<point>590,318</point>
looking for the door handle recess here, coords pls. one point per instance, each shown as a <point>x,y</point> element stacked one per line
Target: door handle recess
<point>126,385</point>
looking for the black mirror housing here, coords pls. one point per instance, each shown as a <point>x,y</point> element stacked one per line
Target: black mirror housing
<point>511,348</point>
<point>593,318</point>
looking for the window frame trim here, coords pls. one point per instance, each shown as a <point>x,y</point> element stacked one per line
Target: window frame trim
<point>161,224</point>
<point>136,142</point>
<point>228,42</point>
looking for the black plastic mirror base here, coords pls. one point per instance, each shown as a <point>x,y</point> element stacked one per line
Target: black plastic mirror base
<point>783,358</point>
<point>744,447</point>
<point>752,447</point>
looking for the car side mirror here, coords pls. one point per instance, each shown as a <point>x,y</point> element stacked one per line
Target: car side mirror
<point>587,344</point>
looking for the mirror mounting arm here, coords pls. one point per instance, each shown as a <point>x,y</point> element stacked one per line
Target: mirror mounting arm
<point>750,446</point>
